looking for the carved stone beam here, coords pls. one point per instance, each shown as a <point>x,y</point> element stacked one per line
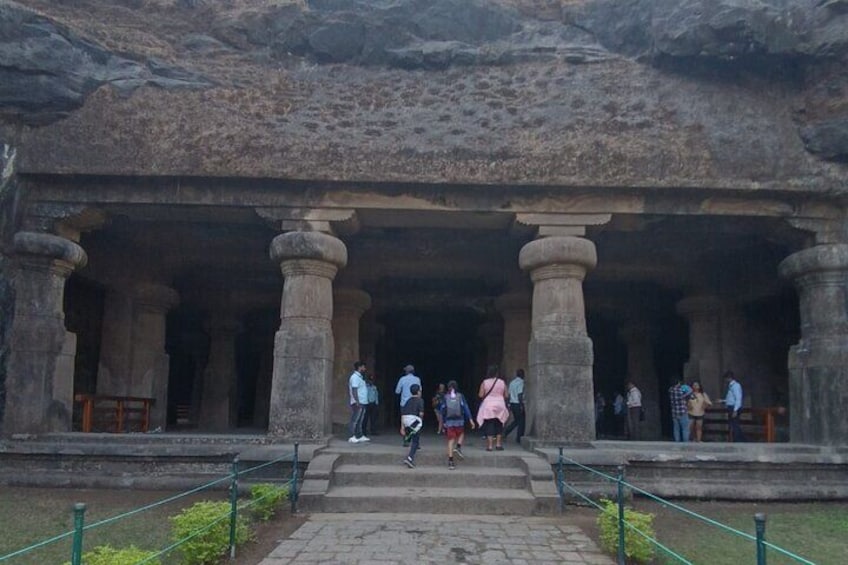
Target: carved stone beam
<point>823,230</point>
<point>66,220</point>
<point>561,224</point>
<point>342,221</point>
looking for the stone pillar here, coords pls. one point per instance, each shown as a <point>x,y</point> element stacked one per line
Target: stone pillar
<point>705,361</point>
<point>303,346</point>
<point>348,306</point>
<point>150,363</point>
<point>492,335</point>
<point>40,366</point>
<point>640,369</point>
<point>515,310</point>
<point>370,333</point>
<point>262,402</point>
<point>116,342</point>
<point>818,363</point>
<point>560,351</point>
<point>218,400</point>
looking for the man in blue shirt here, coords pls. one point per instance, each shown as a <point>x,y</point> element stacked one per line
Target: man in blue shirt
<point>403,387</point>
<point>369,422</point>
<point>733,402</point>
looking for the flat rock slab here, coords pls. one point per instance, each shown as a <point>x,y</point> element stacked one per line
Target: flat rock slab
<point>427,538</point>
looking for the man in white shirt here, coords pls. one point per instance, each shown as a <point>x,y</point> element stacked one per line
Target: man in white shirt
<point>516,405</point>
<point>634,408</point>
<point>733,402</point>
<point>358,389</point>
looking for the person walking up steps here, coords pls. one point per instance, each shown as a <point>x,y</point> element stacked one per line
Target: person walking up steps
<point>402,389</point>
<point>516,405</point>
<point>455,412</point>
<point>493,413</point>
<point>411,423</point>
<point>438,398</point>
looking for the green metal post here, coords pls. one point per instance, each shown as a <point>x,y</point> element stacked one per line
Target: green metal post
<point>234,507</point>
<point>621,515</point>
<point>79,522</point>
<point>561,482</point>
<point>293,491</point>
<point>760,525</point>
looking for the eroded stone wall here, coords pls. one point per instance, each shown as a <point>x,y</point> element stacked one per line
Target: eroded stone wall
<point>8,187</point>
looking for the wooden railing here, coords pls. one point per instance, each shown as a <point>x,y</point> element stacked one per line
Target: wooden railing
<point>758,424</point>
<point>116,414</point>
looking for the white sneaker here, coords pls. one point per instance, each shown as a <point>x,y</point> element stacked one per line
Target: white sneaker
<point>353,440</point>
<point>363,438</point>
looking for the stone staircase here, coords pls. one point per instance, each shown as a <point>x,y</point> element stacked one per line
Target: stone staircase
<point>374,479</point>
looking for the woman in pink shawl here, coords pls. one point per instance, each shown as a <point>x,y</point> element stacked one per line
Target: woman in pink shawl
<point>493,413</point>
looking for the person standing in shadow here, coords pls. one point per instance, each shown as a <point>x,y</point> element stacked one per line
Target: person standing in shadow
<point>733,403</point>
<point>634,411</point>
<point>516,406</point>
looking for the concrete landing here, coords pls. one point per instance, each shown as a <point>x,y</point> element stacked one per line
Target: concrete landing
<point>376,539</point>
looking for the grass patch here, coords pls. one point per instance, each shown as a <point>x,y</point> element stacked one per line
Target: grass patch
<point>817,532</point>
<point>31,515</point>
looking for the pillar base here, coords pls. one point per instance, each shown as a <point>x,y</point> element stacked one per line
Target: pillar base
<point>303,365</point>
<point>818,391</point>
<point>562,400</point>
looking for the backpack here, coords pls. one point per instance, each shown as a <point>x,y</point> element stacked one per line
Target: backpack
<point>453,407</point>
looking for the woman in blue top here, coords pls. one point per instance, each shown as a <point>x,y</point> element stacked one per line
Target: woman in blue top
<point>455,412</point>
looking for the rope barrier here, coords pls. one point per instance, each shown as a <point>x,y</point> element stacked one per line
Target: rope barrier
<point>710,521</point>
<point>156,504</point>
<point>672,505</point>
<point>36,545</point>
<point>178,543</point>
<point>788,553</point>
<point>263,465</point>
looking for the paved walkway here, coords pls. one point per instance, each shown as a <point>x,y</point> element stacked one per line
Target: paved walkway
<point>426,538</point>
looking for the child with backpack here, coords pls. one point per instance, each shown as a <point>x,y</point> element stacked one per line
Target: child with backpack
<point>411,422</point>
<point>455,412</point>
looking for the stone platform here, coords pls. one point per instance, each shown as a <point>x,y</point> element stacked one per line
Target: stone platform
<point>171,461</point>
<point>715,470</point>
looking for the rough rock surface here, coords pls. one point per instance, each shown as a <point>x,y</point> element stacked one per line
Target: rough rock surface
<point>551,92</point>
<point>7,188</point>
<point>47,70</point>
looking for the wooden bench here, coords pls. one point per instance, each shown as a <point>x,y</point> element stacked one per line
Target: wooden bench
<point>116,414</point>
<point>758,424</point>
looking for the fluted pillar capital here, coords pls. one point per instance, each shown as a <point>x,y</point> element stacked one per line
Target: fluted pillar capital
<point>350,302</point>
<point>700,304</point>
<point>155,297</point>
<point>558,257</point>
<point>42,250</point>
<point>314,246</point>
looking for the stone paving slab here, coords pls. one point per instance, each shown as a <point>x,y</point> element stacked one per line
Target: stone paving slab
<point>428,538</point>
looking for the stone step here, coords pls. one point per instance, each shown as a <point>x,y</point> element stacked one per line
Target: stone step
<point>427,500</point>
<point>434,457</point>
<point>399,475</point>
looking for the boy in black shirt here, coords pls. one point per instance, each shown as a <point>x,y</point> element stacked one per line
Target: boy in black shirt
<point>411,422</point>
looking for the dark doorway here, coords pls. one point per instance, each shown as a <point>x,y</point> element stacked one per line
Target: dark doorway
<point>440,344</point>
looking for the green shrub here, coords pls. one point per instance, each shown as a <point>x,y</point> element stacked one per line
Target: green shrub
<point>213,543</point>
<point>637,549</point>
<point>266,498</point>
<point>107,555</point>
